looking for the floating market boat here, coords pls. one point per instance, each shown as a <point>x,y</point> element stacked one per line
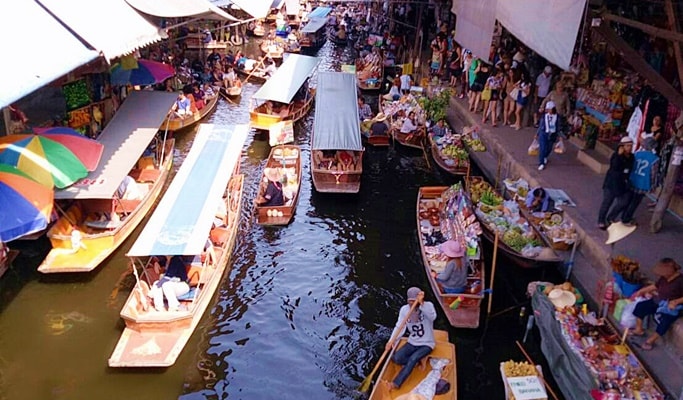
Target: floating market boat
<point>273,49</point>
<point>449,153</point>
<point>443,349</point>
<point>370,75</point>
<point>396,111</point>
<point>284,88</point>
<point>184,224</point>
<point>6,257</point>
<point>98,215</point>
<point>287,160</point>
<point>336,144</point>
<point>446,213</point>
<point>314,32</point>
<point>176,123</point>
<point>518,239</point>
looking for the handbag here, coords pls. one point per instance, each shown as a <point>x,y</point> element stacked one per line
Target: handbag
<point>514,93</point>
<point>486,94</point>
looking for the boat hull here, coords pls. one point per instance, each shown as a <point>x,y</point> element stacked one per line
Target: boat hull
<point>99,245</point>
<point>263,121</point>
<point>176,124</point>
<point>441,162</point>
<point>443,349</point>
<point>287,210</point>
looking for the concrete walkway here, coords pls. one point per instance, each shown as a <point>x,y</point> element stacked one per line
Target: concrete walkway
<point>507,153</point>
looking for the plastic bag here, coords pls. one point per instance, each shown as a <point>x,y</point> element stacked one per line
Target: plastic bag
<point>486,94</point>
<point>628,320</point>
<point>533,148</point>
<point>559,147</point>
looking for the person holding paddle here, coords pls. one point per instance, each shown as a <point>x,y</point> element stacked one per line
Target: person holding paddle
<point>419,322</point>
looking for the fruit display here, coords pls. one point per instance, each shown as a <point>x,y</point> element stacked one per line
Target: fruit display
<point>286,153</point>
<point>518,368</point>
<point>474,144</point>
<point>369,69</point>
<point>629,269</point>
<point>401,108</point>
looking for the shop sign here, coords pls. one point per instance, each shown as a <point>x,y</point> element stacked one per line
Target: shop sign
<point>281,133</point>
<point>527,388</point>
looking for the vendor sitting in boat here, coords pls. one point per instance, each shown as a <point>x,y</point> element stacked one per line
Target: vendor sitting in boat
<point>346,161</point>
<point>379,127</point>
<point>409,126</point>
<point>229,77</point>
<point>324,159</point>
<point>538,200</point>
<point>453,279</point>
<point>394,92</point>
<point>439,130</point>
<point>173,283</point>
<point>272,195</point>
<point>182,107</point>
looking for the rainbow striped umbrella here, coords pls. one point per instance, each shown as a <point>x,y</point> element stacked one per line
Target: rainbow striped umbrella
<point>89,151</point>
<point>25,205</point>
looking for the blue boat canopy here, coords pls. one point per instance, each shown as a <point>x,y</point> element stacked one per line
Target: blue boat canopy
<point>314,25</point>
<point>181,222</point>
<point>287,80</point>
<point>336,125</point>
<point>320,12</point>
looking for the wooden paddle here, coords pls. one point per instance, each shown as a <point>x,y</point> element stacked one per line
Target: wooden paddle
<point>368,380</point>
<point>260,64</point>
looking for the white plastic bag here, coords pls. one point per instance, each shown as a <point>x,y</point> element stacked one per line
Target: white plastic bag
<point>559,147</point>
<point>628,320</point>
<point>533,148</point>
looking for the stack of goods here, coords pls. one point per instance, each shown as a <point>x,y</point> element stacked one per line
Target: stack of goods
<point>470,136</point>
<point>504,217</point>
<point>399,109</point>
<point>560,232</point>
<point>599,346</point>
<point>522,378</point>
<point>452,150</point>
<point>627,275</point>
<point>369,70</point>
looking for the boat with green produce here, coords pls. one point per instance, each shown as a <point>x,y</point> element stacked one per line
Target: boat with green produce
<point>449,152</point>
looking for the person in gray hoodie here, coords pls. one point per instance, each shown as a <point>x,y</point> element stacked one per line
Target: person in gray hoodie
<point>420,328</point>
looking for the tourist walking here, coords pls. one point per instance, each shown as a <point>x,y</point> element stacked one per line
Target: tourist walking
<point>616,180</point>
<point>548,130</point>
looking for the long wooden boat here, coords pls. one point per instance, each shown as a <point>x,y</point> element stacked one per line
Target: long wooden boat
<point>547,257</point>
<point>313,34</point>
<point>450,154</point>
<point>231,93</point>
<point>443,349</point>
<point>272,49</point>
<point>336,130</point>
<point>416,140</point>
<point>287,159</point>
<point>370,78</point>
<point>183,225</point>
<point>284,88</point>
<point>258,76</point>
<point>462,310</point>
<point>175,123</point>
<point>103,217</point>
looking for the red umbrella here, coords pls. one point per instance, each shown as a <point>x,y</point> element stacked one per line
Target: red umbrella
<point>87,150</point>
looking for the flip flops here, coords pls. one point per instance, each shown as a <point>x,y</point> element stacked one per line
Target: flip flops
<point>644,346</point>
<point>639,334</point>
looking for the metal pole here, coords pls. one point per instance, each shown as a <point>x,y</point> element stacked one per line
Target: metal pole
<point>570,263</point>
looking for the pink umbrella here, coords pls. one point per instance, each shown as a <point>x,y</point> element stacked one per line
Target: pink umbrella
<point>87,150</point>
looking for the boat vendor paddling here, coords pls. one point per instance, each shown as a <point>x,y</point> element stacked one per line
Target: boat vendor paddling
<point>379,127</point>
<point>453,278</point>
<point>420,327</point>
<point>273,195</point>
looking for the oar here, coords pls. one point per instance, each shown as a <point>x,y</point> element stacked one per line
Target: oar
<point>368,380</point>
<point>260,63</point>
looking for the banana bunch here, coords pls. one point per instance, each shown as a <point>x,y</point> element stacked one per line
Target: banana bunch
<point>455,152</point>
<point>475,144</point>
<point>477,188</point>
<point>514,368</point>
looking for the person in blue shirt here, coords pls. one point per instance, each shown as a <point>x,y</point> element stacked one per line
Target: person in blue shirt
<point>538,200</point>
<point>641,179</point>
<point>273,195</point>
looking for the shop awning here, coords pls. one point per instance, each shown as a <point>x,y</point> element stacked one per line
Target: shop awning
<point>336,125</point>
<point>320,12</point>
<point>111,27</point>
<point>276,4</point>
<point>287,80</point>
<point>292,7</point>
<point>125,138</point>
<point>255,8</point>
<point>180,8</point>
<point>181,222</point>
<point>314,25</point>
<point>21,73</point>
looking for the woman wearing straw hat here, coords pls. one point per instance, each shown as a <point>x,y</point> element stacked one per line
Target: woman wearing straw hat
<point>666,304</point>
<point>453,278</point>
<point>272,196</point>
<point>379,127</point>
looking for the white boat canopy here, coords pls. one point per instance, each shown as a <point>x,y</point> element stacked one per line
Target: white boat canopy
<point>287,80</point>
<point>60,50</point>
<point>125,138</point>
<point>181,222</point>
<point>256,8</point>
<point>314,25</point>
<point>336,125</point>
<point>109,26</point>
<point>180,8</point>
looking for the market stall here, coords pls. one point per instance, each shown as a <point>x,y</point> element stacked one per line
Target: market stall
<point>590,360</point>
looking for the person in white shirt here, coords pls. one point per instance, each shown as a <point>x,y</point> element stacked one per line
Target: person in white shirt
<point>409,124</point>
<point>543,81</point>
<point>406,83</point>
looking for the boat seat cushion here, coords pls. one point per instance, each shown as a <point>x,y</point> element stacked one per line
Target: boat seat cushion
<point>192,294</point>
<point>219,236</point>
<point>194,274</point>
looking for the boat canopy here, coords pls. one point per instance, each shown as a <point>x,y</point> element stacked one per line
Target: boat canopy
<point>287,80</point>
<point>320,12</point>
<point>180,8</point>
<point>125,138</point>
<point>336,125</point>
<point>255,8</point>
<point>181,222</point>
<point>314,25</point>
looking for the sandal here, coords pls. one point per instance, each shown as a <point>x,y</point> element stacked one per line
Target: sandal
<point>644,346</point>
<point>639,334</point>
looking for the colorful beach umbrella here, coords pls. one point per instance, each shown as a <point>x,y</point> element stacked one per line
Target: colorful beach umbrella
<point>147,73</point>
<point>25,205</point>
<point>89,151</point>
<point>45,161</point>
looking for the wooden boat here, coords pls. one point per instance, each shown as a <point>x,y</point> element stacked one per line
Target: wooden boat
<point>286,158</point>
<point>313,34</point>
<point>374,140</point>
<point>414,140</point>
<point>336,131</point>
<point>183,225</point>
<point>283,88</point>
<point>547,257</point>
<point>6,257</point>
<point>257,76</point>
<point>443,349</point>
<point>454,161</point>
<point>104,218</point>
<point>231,93</point>
<point>365,82</point>
<point>175,123</point>
<point>272,49</point>
<point>462,310</point>
<point>338,41</point>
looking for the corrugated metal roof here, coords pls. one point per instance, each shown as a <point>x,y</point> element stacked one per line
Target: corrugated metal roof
<point>125,138</point>
<point>287,80</point>
<point>181,222</point>
<point>109,26</point>
<point>320,12</point>
<point>314,25</point>
<point>336,125</point>
<point>180,8</point>
<point>37,50</point>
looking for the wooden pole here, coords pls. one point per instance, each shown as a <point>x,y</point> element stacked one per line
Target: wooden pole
<point>673,24</point>
<point>649,29</point>
<point>493,272</point>
<point>666,194</point>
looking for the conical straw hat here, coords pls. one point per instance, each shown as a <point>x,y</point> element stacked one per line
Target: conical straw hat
<point>618,231</point>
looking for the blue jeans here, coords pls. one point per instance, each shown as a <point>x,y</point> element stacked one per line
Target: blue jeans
<point>545,148</point>
<point>408,356</point>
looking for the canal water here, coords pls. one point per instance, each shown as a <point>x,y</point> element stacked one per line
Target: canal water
<point>303,312</point>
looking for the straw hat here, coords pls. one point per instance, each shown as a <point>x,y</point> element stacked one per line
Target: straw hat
<point>561,298</point>
<point>271,174</point>
<point>618,231</point>
<point>452,249</point>
<point>380,117</point>
<point>467,130</point>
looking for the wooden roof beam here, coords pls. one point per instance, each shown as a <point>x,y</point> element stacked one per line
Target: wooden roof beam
<point>652,30</point>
